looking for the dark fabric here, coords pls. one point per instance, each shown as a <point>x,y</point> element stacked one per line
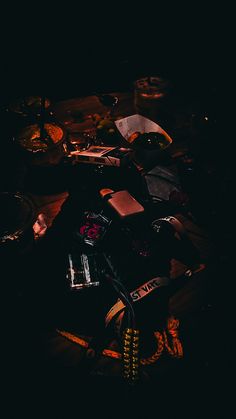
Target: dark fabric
<point>161,182</point>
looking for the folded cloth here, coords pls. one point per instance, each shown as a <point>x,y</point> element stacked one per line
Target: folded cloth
<point>161,182</point>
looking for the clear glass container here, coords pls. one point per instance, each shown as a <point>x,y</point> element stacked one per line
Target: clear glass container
<point>149,93</point>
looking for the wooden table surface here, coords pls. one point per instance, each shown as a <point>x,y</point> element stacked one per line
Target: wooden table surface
<point>89,105</point>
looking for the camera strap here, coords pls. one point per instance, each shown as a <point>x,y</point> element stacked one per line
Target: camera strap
<point>137,295</point>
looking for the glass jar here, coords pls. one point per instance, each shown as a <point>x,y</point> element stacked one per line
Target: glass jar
<point>149,94</point>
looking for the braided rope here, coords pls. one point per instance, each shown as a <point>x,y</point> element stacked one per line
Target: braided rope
<point>174,348</point>
<point>73,338</point>
<point>160,347</point>
<point>111,354</point>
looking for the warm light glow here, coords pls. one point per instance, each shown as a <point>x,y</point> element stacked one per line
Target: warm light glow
<point>152,95</point>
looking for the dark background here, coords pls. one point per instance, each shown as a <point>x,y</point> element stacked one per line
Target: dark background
<point>68,52</point>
